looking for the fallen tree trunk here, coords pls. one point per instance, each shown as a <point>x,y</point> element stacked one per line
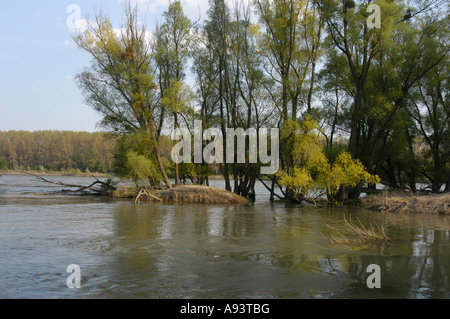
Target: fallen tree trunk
<point>98,187</point>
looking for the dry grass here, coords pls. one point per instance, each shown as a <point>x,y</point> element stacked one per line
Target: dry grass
<point>408,203</point>
<point>192,194</point>
<point>201,195</point>
<point>357,233</point>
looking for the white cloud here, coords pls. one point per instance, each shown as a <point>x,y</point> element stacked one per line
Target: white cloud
<point>74,22</point>
<point>79,26</point>
<point>149,5</point>
<point>149,36</point>
<point>192,8</point>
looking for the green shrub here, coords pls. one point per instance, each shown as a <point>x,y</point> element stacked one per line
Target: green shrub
<point>4,165</point>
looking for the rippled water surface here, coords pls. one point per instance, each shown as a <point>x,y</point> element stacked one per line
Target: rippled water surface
<point>261,250</point>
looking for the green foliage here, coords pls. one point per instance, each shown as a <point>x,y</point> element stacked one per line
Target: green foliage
<point>179,99</point>
<point>313,175</point>
<point>140,168</point>
<point>120,82</point>
<point>347,172</point>
<point>383,95</point>
<point>134,160</point>
<point>4,165</point>
<point>58,150</point>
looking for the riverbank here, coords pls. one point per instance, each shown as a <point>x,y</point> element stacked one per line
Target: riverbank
<point>50,173</point>
<point>182,194</point>
<point>408,203</point>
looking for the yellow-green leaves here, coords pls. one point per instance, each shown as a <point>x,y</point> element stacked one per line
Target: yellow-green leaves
<point>299,181</point>
<point>141,168</point>
<point>178,98</point>
<point>312,174</point>
<point>348,172</point>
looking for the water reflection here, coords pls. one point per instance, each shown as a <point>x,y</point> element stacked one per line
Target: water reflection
<point>224,251</point>
<point>263,250</point>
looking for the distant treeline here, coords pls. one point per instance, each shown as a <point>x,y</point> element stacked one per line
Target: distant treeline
<point>57,151</point>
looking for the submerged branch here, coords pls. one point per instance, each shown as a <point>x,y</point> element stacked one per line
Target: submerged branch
<point>104,188</point>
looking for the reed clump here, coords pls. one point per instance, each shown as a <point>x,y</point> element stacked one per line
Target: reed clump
<point>356,232</point>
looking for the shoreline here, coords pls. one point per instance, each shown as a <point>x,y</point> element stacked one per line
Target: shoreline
<point>386,202</point>
<point>64,173</point>
<point>68,173</point>
<point>401,202</point>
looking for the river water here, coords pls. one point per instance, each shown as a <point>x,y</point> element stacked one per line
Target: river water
<point>261,250</point>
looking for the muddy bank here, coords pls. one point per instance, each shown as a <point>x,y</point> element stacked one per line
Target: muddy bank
<point>408,203</point>
<point>188,194</point>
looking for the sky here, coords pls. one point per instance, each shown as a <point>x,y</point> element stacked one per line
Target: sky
<point>38,59</point>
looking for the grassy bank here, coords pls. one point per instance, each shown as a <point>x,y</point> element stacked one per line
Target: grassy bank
<point>183,194</point>
<point>408,203</point>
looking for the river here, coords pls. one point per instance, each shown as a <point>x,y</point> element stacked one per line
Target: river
<point>263,250</point>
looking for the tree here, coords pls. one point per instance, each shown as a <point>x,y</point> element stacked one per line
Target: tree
<point>141,168</point>
<point>216,32</point>
<point>313,176</point>
<point>173,50</point>
<point>431,112</point>
<point>58,150</point>
<point>348,31</point>
<point>290,44</point>
<point>120,81</point>
<point>4,165</point>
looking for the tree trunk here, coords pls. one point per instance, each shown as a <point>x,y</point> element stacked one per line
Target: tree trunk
<point>158,157</point>
<point>354,127</point>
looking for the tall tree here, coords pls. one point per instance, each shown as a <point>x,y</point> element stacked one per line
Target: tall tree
<point>431,111</point>
<point>120,82</point>
<point>173,50</point>
<point>216,31</point>
<point>348,30</point>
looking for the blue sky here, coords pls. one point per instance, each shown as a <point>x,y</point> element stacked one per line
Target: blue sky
<point>38,61</point>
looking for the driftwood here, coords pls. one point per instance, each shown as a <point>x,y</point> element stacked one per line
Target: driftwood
<point>98,187</point>
<point>144,192</point>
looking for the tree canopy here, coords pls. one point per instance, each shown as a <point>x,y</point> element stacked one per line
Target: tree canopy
<point>360,95</point>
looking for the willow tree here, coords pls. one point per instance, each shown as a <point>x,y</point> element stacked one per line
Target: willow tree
<point>173,43</point>
<point>216,34</point>
<point>430,110</point>
<point>249,81</point>
<point>312,175</point>
<point>120,83</point>
<point>350,33</point>
<point>289,43</point>
<point>376,69</point>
